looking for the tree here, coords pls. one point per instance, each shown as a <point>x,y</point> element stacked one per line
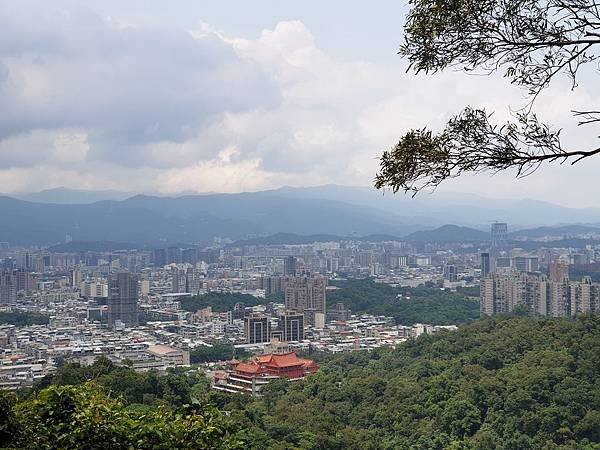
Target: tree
<point>531,41</point>
<point>84,417</point>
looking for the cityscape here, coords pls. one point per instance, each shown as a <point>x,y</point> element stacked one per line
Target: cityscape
<point>284,225</point>
<point>139,306</point>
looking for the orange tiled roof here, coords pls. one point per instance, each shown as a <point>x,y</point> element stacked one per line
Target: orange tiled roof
<point>248,367</point>
<point>284,360</point>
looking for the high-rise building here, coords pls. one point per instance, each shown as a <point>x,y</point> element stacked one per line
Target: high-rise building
<point>559,270</point>
<point>289,265</point>
<point>272,285</point>
<point>194,281</point>
<point>177,280</point>
<point>123,299</point>
<point>450,272</point>
<point>485,265</point>
<point>25,281</point>
<point>291,325</point>
<point>76,277</point>
<point>257,329</point>
<point>501,293</point>
<point>306,293</point>
<point>339,313</point>
<point>499,235</point>
<point>8,288</point>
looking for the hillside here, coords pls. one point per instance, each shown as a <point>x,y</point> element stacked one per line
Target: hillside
<point>449,233</point>
<point>501,383</point>
<point>561,231</point>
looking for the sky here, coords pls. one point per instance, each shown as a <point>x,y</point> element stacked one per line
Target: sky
<point>229,96</point>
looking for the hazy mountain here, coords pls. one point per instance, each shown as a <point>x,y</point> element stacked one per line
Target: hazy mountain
<point>73,196</point>
<point>449,233</point>
<point>334,210</point>
<point>159,221</point>
<point>439,208</point>
<point>296,239</point>
<point>565,230</point>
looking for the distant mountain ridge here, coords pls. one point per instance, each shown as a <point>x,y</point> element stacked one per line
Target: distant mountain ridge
<point>323,210</point>
<point>194,219</point>
<point>62,195</point>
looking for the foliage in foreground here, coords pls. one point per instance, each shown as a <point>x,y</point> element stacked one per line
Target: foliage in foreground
<point>84,417</point>
<point>176,387</point>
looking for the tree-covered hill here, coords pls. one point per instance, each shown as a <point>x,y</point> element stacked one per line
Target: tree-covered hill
<point>499,383</point>
<point>219,302</point>
<point>406,305</point>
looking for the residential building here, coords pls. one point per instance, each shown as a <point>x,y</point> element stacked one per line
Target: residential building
<point>123,299</point>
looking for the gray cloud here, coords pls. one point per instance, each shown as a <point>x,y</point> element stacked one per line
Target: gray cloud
<point>125,86</point>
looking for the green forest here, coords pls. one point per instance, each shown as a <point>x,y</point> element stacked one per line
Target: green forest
<point>220,302</point>
<point>496,383</point>
<point>406,305</point>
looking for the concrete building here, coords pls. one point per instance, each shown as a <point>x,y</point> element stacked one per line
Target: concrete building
<point>8,288</point>
<point>499,234</point>
<point>502,293</point>
<point>257,329</point>
<point>559,270</point>
<point>306,293</point>
<point>123,299</point>
<point>485,264</point>
<point>291,325</point>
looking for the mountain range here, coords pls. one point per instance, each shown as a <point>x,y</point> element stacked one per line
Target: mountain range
<point>332,210</point>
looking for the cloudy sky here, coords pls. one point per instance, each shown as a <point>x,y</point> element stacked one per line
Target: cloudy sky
<point>163,97</point>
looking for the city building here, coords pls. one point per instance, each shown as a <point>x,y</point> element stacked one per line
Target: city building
<point>250,377</point>
<point>450,272</point>
<point>499,234</point>
<point>559,270</point>
<point>8,288</point>
<point>502,293</point>
<point>257,328</point>
<point>485,264</point>
<point>291,325</point>
<point>306,293</point>
<point>123,299</point>
<point>289,266</point>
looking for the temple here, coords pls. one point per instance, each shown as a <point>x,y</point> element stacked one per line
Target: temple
<point>251,376</point>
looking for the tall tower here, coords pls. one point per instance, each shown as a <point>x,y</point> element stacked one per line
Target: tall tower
<point>485,265</point>
<point>123,299</point>
<point>499,235</point>
<point>289,266</point>
<point>302,293</point>
<point>559,270</point>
